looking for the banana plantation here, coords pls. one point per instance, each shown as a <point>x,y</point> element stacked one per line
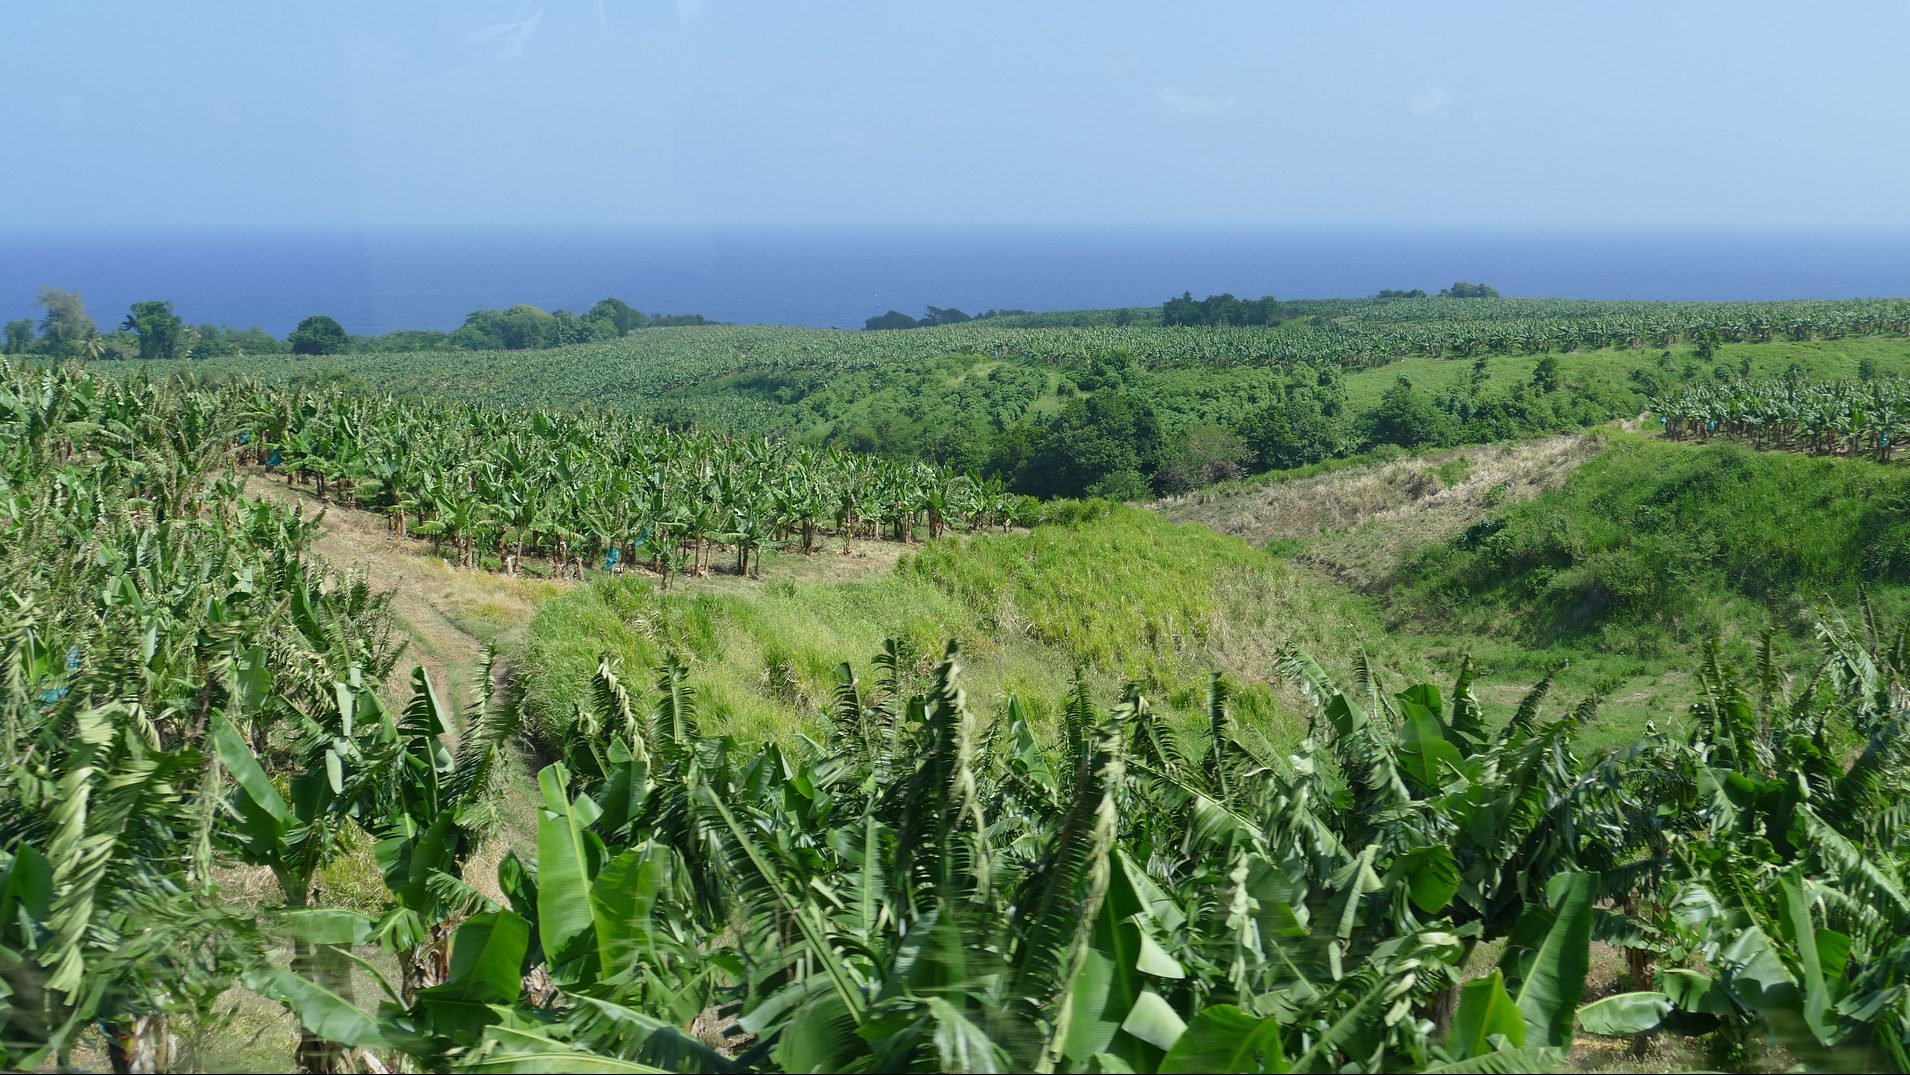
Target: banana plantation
<point>502,488</point>
<point>644,370</point>
<point>190,704</point>
<point>1826,418</point>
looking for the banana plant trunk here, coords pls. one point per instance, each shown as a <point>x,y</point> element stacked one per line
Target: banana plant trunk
<point>1639,962</point>
<point>324,964</point>
<point>1444,1004</point>
<point>142,1045</point>
<point>425,965</point>
<point>1442,1008</point>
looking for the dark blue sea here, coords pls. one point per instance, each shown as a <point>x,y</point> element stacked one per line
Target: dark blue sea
<point>378,282</point>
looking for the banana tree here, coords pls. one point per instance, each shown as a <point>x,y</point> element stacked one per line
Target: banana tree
<point>335,787</point>
<point>437,808</point>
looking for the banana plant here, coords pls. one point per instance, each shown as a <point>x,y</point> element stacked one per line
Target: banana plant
<point>436,810</point>
<point>342,753</point>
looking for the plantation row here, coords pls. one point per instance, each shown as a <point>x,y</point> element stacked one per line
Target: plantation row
<point>1367,333</point>
<point>498,487</point>
<point>1843,417</point>
<point>571,487</point>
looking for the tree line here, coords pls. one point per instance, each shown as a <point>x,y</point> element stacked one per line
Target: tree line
<point>1223,309</point>
<point>153,331</point>
<point>934,315</point>
<point>1220,309</point>
<point>1459,290</point>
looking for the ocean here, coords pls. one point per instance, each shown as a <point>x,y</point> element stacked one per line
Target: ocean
<point>381,281</point>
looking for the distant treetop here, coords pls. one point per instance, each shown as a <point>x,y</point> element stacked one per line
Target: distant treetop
<point>157,328</point>
<point>1222,309</point>
<point>66,324</point>
<point>1464,290</point>
<point>523,327</point>
<point>936,315</point>
<point>619,314</point>
<point>319,335</point>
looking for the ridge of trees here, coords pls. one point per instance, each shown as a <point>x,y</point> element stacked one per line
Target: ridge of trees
<point>154,330</point>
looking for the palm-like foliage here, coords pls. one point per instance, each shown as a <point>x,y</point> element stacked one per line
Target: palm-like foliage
<point>915,892</point>
<point>1837,417</point>
<point>486,483</point>
<point>146,607</point>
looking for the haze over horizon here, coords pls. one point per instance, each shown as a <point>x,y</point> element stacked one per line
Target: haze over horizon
<point>694,115</point>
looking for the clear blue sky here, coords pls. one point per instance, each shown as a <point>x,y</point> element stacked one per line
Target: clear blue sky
<point>707,114</point>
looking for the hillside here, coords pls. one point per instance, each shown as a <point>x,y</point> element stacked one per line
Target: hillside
<point>1029,608</point>
<point>1653,544</point>
<point>1618,553</point>
<point>1362,519</point>
<point>1302,569</point>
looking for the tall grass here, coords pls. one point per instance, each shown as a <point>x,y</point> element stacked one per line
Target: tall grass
<point>1121,595</point>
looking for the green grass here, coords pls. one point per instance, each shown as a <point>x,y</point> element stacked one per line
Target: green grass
<point>1123,595</point>
<point>1653,546</point>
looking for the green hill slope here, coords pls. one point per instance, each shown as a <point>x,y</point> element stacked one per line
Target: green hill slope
<point>1653,544</point>
<point>1121,594</point>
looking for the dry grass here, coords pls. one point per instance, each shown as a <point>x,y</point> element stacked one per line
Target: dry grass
<point>829,563</point>
<point>1360,525</point>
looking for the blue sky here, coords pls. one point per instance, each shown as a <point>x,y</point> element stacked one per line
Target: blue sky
<point>711,114</point>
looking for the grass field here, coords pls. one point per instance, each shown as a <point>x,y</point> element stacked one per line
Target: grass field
<point>1653,545</point>
<point>1123,596</point>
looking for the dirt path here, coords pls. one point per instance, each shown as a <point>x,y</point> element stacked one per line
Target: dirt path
<point>448,616</point>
